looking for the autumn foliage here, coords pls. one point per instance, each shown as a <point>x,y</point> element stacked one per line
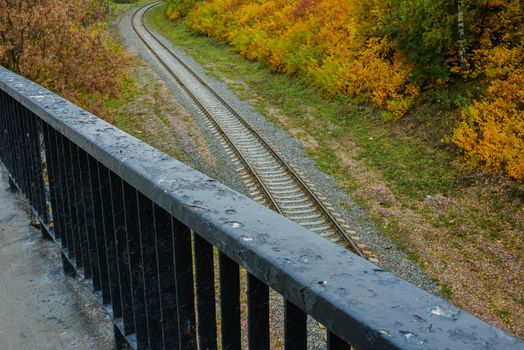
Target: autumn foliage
<point>329,45</point>
<point>62,45</point>
<point>388,52</point>
<point>492,128</point>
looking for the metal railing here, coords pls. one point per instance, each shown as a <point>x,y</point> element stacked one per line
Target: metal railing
<point>164,247</point>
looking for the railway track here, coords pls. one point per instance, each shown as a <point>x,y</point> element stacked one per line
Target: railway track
<point>269,178</point>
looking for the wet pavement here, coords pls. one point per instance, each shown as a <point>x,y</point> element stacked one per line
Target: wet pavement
<point>41,308</point>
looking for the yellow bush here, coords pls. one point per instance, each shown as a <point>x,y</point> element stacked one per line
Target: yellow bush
<point>328,45</point>
<point>492,128</point>
<point>173,15</point>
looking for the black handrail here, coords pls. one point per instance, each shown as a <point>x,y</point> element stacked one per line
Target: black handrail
<point>142,228</point>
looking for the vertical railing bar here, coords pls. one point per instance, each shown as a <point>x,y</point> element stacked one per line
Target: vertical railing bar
<point>57,194</point>
<point>98,219</point>
<point>120,340</point>
<point>205,291</point>
<point>3,137</point>
<point>150,268</point>
<point>30,161</point>
<point>4,154</point>
<point>71,244</point>
<point>120,236</point>
<point>295,327</point>
<point>21,138</point>
<point>15,140</point>
<point>26,159</point>
<point>4,134</point>
<point>109,239</point>
<point>73,203</point>
<point>184,285</point>
<point>9,127</point>
<point>136,265</point>
<point>61,193</point>
<point>258,313</point>
<point>16,131</point>
<point>80,210</point>
<point>70,253</point>
<point>335,343</point>
<point>53,177</point>
<point>40,169</point>
<point>166,276</point>
<point>89,217</point>
<point>67,239</point>
<point>230,303</point>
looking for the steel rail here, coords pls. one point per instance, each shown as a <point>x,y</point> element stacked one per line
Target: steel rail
<point>323,211</point>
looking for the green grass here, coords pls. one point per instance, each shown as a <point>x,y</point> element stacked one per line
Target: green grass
<point>116,8</point>
<point>411,166</point>
<point>446,290</point>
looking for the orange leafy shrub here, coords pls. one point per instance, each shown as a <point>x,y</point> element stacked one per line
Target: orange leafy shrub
<point>327,45</point>
<point>179,8</point>
<point>62,45</point>
<point>492,128</point>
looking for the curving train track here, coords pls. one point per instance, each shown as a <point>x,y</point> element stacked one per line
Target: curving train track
<point>269,178</point>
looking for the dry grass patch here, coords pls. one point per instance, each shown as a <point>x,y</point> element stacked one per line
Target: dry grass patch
<point>150,112</point>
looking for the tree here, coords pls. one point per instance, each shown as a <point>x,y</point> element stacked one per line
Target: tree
<point>460,28</point>
<point>60,44</point>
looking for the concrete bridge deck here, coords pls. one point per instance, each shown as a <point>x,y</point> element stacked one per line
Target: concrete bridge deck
<point>40,308</point>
